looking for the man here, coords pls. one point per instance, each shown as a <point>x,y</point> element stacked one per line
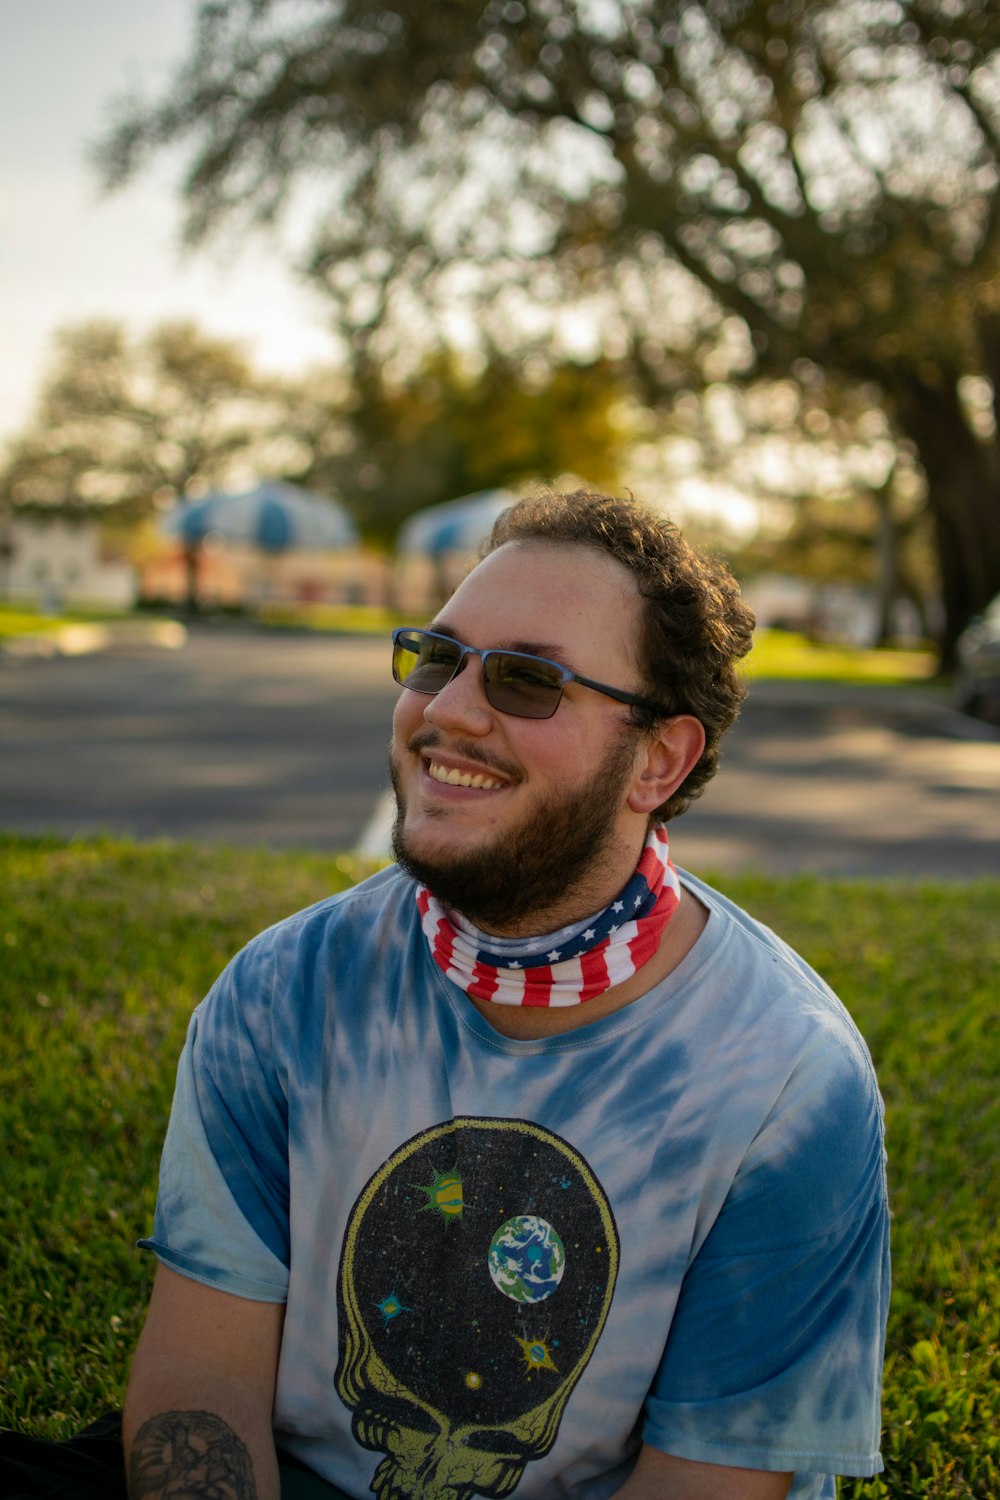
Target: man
<point>528,1166</point>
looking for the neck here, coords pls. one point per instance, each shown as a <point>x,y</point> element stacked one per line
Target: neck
<point>574,964</point>
<point>592,892</point>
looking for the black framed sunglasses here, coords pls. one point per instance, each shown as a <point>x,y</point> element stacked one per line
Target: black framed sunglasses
<point>529,687</point>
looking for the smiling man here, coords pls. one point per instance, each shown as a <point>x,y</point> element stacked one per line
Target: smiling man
<point>530,1166</point>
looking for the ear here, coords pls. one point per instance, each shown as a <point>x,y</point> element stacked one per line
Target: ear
<point>664,761</point>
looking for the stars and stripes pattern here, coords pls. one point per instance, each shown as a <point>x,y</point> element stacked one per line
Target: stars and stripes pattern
<point>567,967</point>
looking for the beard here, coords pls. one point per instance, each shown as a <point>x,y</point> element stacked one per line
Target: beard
<point>537,865</point>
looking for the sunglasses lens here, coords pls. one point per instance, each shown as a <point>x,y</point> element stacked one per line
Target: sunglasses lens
<point>522,685</point>
<point>426,663</point>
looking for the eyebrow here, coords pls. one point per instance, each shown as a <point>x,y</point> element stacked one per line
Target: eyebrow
<point>549,650</point>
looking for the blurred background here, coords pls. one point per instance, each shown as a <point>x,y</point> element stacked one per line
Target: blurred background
<point>296,296</point>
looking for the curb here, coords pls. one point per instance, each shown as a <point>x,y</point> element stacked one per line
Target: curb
<point>84,639</point>
<point>375,841</point>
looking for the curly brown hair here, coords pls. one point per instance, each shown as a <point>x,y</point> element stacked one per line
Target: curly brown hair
<point>695,630</point>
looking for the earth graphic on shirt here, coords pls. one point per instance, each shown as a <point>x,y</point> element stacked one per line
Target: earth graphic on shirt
<point>476,1277</point>
<point>526,1259</point>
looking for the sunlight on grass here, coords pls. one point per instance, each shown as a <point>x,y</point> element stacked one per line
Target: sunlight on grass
<point>356,619</point>
<point>14,622</point>
<point>775,654</point>
<point>783,654</point>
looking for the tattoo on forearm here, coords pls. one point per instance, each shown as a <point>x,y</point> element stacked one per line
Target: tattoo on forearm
<point>189,1455</point>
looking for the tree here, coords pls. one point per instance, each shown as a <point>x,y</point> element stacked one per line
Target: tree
<point>825,172</point>
<point>838,499</point>
<point>450,429</point>
<point>120,423</point>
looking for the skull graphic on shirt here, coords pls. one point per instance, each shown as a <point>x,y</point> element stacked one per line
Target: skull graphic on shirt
<point>476,1276</point>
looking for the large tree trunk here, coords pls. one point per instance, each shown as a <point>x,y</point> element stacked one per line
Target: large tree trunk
<point>886,549</point>
<point>963,498</point>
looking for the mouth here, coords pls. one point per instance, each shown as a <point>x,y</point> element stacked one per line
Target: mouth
<point>480,781</point>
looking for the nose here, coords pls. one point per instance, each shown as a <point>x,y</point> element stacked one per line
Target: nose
<point>461,705</point>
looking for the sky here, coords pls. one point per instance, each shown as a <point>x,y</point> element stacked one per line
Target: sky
<point>69,254</point>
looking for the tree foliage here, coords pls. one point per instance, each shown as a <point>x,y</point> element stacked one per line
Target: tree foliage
<point>123,421</point>
<point>815,180</point>
<point>838,499</point>
<point>390,448</point>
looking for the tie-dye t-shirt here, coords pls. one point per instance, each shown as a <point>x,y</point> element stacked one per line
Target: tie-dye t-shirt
<point>506,1262</point>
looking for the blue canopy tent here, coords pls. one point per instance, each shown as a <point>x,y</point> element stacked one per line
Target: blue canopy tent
<point>448,533</point>
<point>460,525</point>
<point>273,516</point>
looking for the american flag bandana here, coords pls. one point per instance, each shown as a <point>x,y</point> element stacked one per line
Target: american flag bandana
<point>565,967</point>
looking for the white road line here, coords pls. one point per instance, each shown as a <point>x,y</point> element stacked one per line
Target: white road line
<point>375,836</point>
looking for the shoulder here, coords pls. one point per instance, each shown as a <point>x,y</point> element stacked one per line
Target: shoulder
<point>816,1156</point>
<point>382,892</point>
<point>302,962</point>
<point>379,904</point>
<point>787,1066</point>
<point>768,984</point>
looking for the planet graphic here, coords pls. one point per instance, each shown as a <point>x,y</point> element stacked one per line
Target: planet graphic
<point>526,1259</point>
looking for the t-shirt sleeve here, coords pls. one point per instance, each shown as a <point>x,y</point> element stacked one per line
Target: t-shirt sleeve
<point>222,1207</point>
<point>774,1357</point>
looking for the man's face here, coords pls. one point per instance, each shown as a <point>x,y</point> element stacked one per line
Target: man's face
<point>534,844</point>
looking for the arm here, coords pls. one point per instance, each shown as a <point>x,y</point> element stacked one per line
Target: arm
<point>661,1476</point>
<point>198,1407</point>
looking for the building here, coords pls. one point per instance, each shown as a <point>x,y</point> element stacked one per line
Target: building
<point>58,562</point>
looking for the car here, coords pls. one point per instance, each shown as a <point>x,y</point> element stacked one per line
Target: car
<point>978,675</point>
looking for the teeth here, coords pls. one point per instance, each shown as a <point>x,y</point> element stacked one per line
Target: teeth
<point>463,778</point>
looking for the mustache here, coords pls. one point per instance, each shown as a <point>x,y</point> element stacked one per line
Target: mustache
<point>430,739</point>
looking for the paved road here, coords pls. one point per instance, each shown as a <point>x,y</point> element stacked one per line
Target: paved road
<point>242,737</point>
<point>850,782</point>
<point>259,739</point>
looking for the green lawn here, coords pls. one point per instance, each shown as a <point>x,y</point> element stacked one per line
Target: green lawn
<point>776,653</point>
<point>781,653</point>
<point>106,946</point>
<point>341,619</point>
<point>14,622</point>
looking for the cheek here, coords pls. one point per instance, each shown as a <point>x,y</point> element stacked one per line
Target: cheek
<point>407,717</point>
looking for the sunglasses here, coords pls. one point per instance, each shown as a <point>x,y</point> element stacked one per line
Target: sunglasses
<point>529,687</point>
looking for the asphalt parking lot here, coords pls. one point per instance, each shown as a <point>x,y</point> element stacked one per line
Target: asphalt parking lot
<point>256,738</point>
<point>844,781</point>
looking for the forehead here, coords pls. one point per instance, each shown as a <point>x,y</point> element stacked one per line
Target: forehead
<point>564,600</point>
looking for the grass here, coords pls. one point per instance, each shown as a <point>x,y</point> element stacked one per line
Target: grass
<point>783,654</point>
<point>350,619</point>
<point>14,622</point>
<point>106,946</point>
<point>81,623</point>
<point>776,653</point>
